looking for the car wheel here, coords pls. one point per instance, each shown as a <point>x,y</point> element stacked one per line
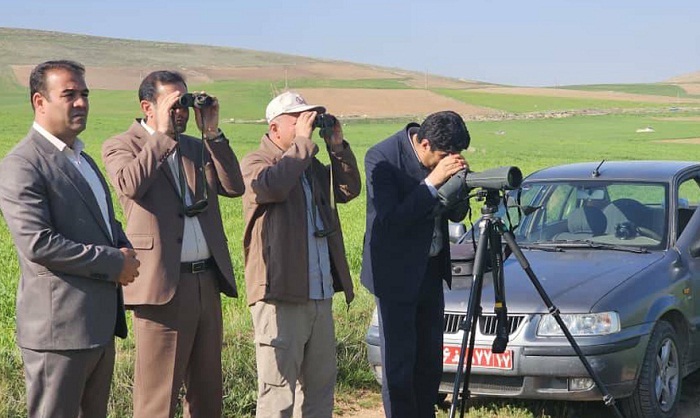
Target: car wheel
<point>659,386</point>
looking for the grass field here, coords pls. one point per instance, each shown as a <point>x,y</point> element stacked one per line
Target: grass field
<point>658,89</point>
<point>516,103</point>
<point>529,144</point>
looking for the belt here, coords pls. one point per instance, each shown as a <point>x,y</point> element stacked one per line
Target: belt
<point>197,266</point>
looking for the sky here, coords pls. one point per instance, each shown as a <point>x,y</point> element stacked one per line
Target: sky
<point>515,42</point>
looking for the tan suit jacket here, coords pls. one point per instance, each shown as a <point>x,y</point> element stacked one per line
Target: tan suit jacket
<point>68,297</point>
<point>136,163</point>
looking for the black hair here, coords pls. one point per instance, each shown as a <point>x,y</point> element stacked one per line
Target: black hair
<point>149,85</point>
<point>445,131</point>
<point>37,79</point>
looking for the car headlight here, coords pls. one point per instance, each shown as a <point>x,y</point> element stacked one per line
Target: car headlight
<point>580,324</point>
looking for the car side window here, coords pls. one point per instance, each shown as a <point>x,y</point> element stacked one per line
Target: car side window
<point>560,203</point>
<point>688,200</point>
<point>650,195</point>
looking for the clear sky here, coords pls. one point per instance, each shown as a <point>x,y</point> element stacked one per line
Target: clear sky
<point>519,42</point>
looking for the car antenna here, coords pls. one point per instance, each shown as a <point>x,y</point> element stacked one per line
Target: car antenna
<point>595,172</point>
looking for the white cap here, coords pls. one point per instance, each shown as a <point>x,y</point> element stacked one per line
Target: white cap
<point>289,102</point>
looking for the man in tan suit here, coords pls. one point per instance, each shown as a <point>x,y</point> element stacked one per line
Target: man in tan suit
<point>73,254</point>
<point>168,184</point>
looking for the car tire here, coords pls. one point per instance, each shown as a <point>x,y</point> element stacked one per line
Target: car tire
<point>658,388</point>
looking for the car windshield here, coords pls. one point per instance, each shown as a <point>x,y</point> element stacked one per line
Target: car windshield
<point>601,212</point>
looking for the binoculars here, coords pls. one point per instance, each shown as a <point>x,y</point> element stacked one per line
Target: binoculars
<point>197,100</point>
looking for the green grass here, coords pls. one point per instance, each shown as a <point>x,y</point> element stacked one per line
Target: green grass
<point>516,103</point>
<point>655,89</point>
<point>529,144</point>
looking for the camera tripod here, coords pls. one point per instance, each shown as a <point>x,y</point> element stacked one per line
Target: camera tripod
<point>489,249</point>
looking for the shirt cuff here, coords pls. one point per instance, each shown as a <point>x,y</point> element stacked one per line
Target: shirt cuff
<point>433,190</point>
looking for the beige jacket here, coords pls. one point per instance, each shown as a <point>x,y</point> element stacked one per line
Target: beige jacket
<point>275,239</point>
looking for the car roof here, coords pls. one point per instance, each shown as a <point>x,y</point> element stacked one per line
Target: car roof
<point>656,171</point>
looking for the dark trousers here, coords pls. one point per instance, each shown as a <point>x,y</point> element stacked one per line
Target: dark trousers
<point>411,346</point>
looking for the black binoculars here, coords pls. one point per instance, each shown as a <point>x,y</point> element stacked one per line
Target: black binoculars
<point>197,100</point>
<point>324,121</point>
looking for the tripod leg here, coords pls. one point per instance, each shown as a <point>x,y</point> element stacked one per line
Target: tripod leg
<point>510,240</point>
<point>469,324</point>
<point>466,394</point>
<point>500,309</point>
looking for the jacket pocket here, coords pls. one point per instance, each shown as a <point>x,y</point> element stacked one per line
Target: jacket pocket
<point>142,242</point>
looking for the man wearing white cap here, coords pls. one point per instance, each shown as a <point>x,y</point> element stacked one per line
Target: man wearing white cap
<point>295,257</point>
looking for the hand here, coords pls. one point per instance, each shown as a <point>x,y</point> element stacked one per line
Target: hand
<point>446,168</point>
<point>208,118</point>
<point>130,268</point>
<point>305,124</point>
<point>335,141</point>
<point>164,106</point>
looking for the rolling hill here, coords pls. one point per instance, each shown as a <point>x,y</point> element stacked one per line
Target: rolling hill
<point>350,89</point>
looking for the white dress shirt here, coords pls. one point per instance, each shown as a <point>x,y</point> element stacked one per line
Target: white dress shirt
<point>76,157</point>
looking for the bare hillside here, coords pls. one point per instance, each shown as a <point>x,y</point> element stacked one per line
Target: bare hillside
<point>121,63</point>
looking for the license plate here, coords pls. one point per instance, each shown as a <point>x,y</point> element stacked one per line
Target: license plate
<point>481,357</point>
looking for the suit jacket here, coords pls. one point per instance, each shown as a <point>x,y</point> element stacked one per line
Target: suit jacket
<point>68,296</point>
<point>136,163</point>
<point>400,221</point>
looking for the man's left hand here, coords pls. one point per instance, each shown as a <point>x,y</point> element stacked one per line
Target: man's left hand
<point>208,118</point>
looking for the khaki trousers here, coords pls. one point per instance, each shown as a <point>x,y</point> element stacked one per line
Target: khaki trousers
<point>180,342</point>
<point>68,383</point>
<point>296,359</point>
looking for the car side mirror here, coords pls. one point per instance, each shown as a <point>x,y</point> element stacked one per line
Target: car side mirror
<point>695,249</point>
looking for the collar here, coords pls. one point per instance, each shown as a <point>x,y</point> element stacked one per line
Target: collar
<point>269,146</point>
<point>412,129</point>
<point>148,129</point>
<point>78,145</point>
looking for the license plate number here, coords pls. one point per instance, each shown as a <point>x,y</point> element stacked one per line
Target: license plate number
<point>481,357</point>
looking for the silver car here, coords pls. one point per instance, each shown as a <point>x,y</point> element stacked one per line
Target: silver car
<point>616,245</point>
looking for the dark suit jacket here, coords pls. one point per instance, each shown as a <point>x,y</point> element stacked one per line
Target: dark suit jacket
<point>68,297</point>
<point>400,221</point>
<point>136,163</point>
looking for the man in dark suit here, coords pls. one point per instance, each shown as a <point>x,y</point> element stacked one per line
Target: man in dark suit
<point>73,254</point>
<point>406,256</point>
<point>168,184</point>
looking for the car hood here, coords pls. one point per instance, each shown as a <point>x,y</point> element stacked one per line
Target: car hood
<point>575,280</point>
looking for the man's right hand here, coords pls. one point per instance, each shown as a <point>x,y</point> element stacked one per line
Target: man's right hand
<point>130,268</point>
<point>164,105</point>
<point>446,168</point>
<point>305,124</point>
